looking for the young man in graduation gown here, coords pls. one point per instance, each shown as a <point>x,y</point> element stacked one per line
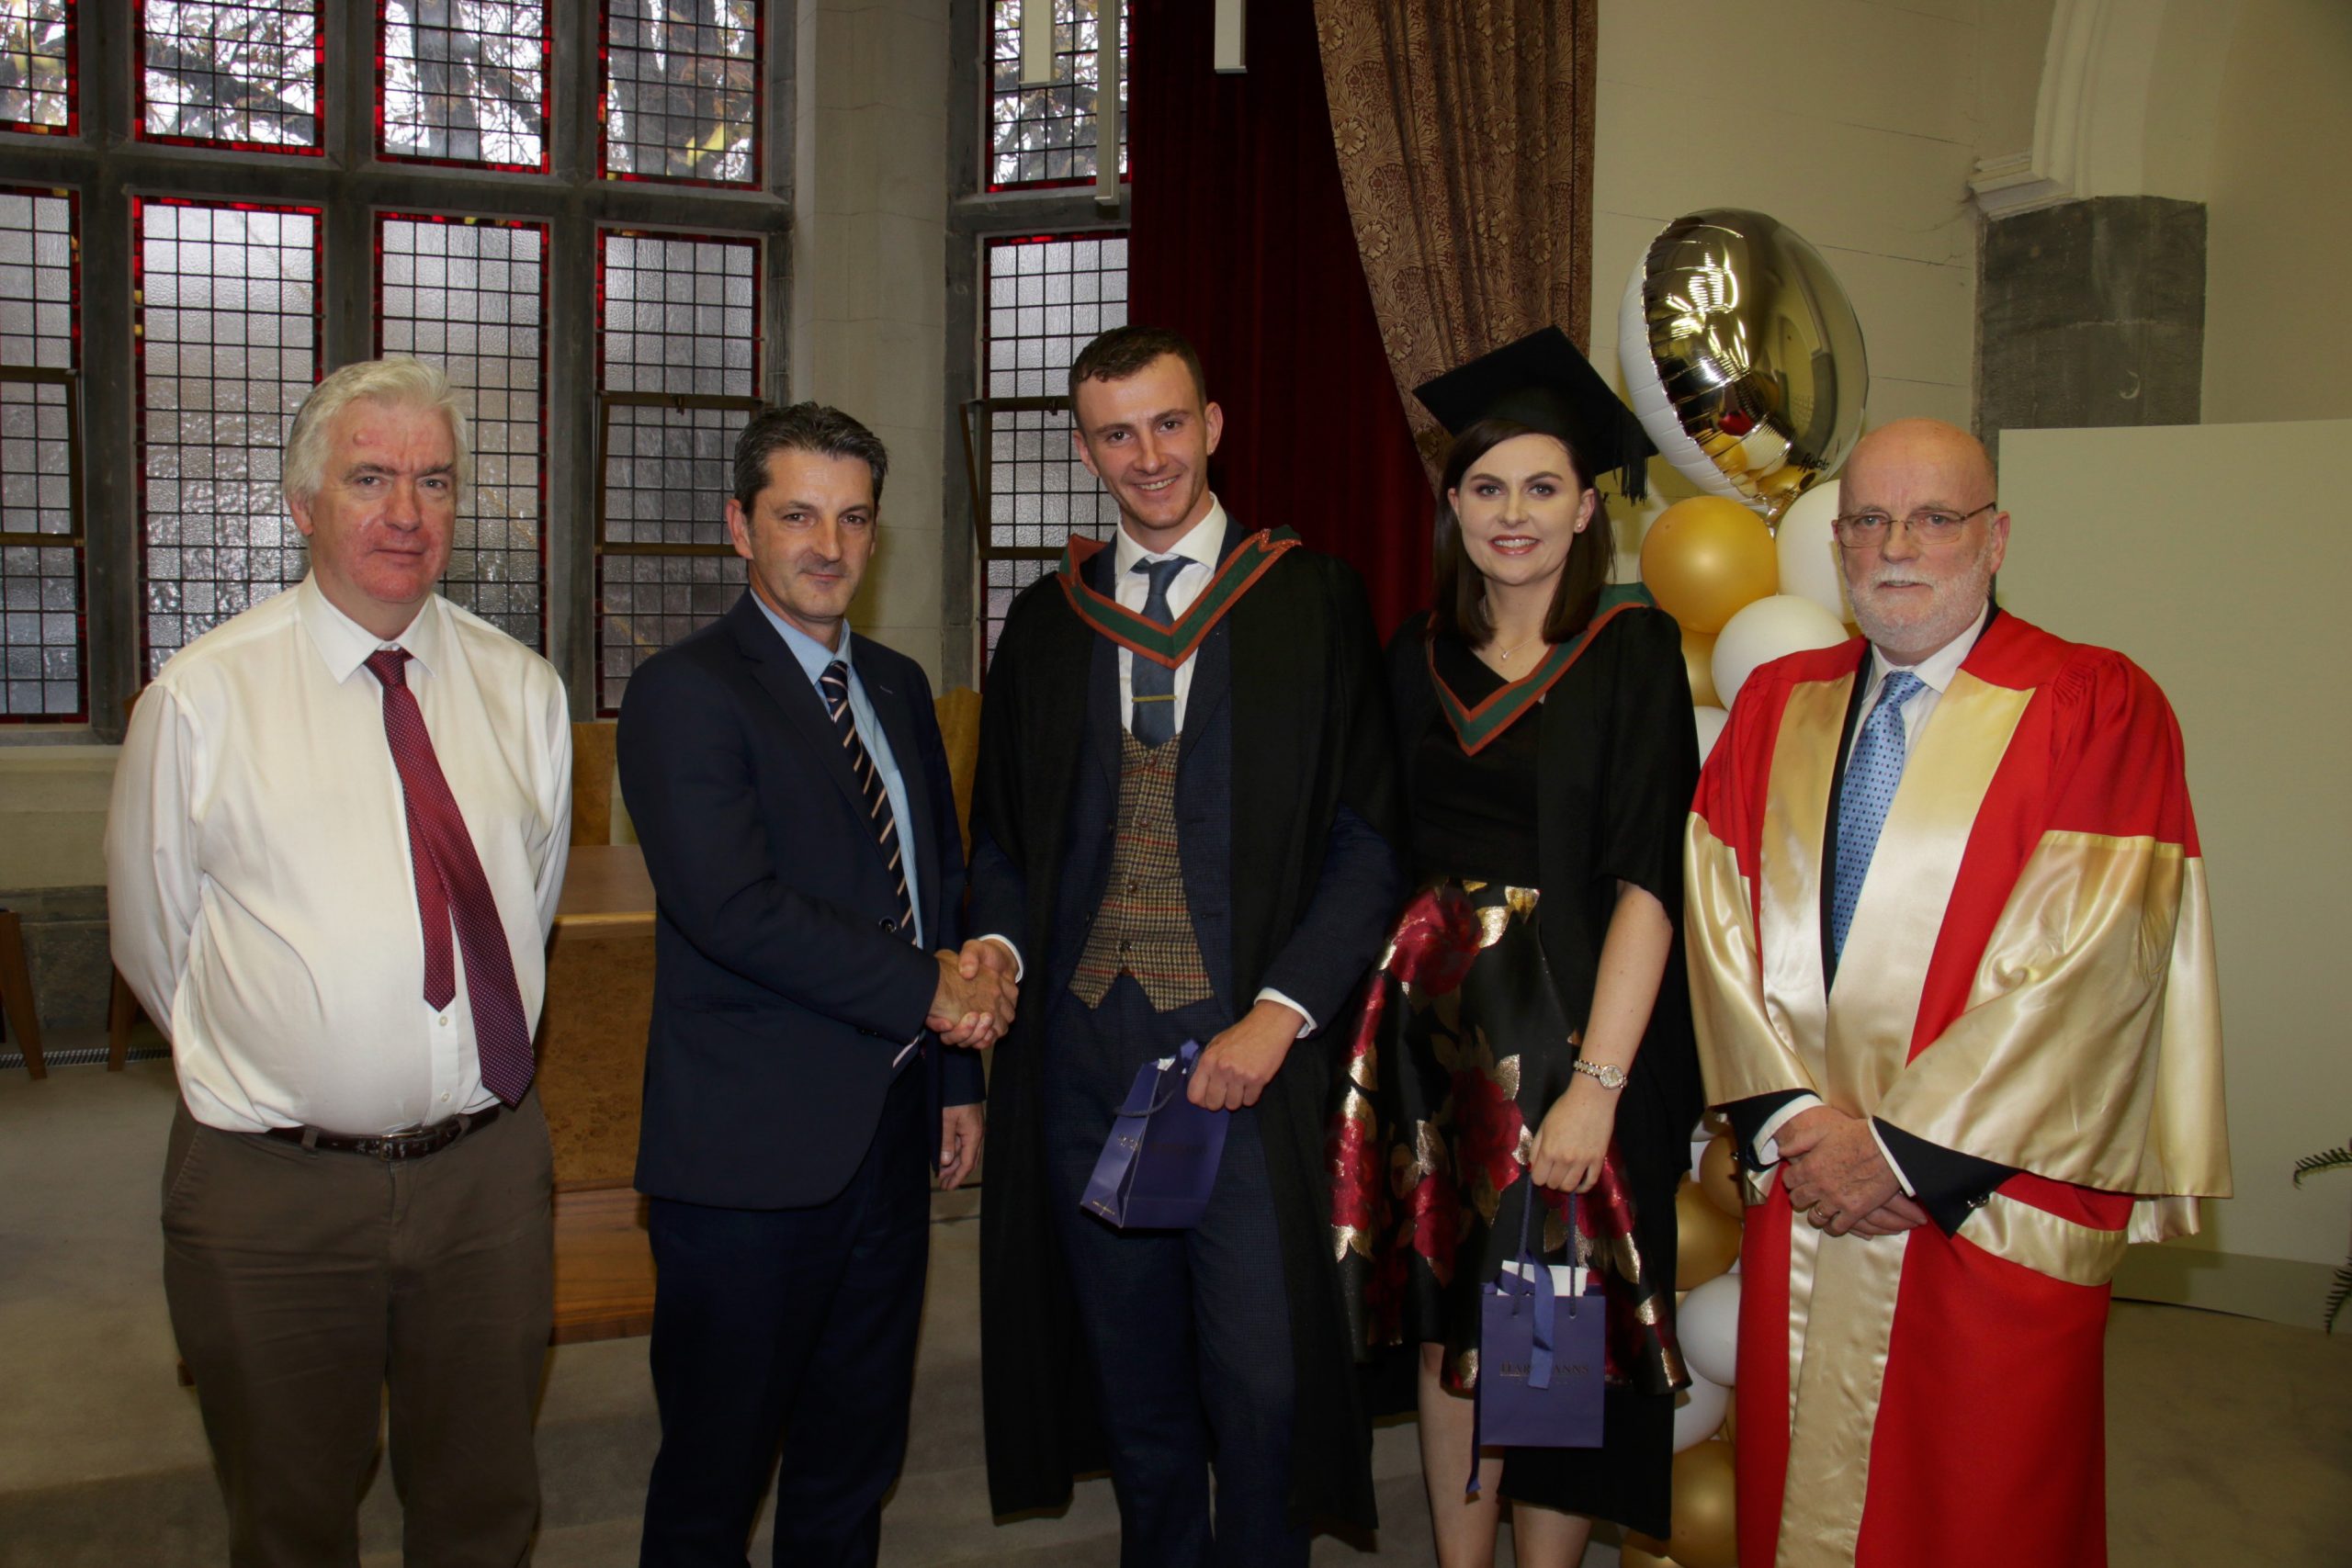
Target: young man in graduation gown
<point>1952,968</point>
<point>1181,830</point>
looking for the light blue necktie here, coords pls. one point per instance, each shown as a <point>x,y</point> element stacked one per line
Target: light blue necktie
<point>1153,683</point>
<point>1871,777</point>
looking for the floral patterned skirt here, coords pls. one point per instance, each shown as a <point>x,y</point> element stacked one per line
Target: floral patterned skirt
<point>1458,1050</point>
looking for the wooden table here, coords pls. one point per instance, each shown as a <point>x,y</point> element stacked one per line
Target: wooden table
<point>592,1070</point>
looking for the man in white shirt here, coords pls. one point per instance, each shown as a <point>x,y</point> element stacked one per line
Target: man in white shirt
<point>338,833</point>
<point>1952,971</point>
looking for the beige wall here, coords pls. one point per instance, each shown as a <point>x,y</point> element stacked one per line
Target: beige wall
<point>2231,594</point>
<point>1854,122</point>
<point>869,324</point>
<point>2277,330</point>
<point>54,814</point>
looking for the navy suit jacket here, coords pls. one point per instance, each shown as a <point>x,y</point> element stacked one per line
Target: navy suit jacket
<point>781,993</point>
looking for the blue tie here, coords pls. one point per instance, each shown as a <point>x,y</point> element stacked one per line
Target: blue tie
<point>1871,778</point>
<point>1153,683</point>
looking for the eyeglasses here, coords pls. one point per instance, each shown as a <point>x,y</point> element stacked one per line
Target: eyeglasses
<point>1930,526</point>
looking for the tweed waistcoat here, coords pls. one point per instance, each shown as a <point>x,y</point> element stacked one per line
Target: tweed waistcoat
<point>1143,926</point>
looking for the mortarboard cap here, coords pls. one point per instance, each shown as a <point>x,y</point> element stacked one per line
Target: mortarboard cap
<point>1544,383</point>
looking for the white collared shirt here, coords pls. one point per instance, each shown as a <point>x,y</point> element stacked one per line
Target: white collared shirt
<point>1936,673</point>
<point>1201,549</point>
<point>258,879</point>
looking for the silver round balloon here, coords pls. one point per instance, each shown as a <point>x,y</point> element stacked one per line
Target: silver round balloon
<point>1743,356</point>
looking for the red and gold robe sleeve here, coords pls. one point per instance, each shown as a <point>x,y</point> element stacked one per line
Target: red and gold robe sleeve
<point>1747,1046</point>
<point>2086,1047</point>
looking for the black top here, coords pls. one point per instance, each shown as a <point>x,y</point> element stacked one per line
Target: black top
<point>1474,816</point>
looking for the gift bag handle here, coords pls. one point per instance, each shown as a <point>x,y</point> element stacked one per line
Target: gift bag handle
<point>1537,1282</point>
<point>1169,1084</point>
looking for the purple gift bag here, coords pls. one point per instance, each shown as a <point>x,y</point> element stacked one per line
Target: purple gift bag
<point>1161,1160</point>
<point>1542,1355</point>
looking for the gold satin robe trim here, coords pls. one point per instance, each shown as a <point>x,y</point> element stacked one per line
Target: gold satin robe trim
<point>2090,1051</point>
<point>1849,1283</point>
<point>2045,1242</point>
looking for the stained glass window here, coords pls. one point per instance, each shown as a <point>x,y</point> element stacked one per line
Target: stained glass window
<point>232,72</point>
<point>1047,298</point>
<point>1046,135</point>
<point>470,297</point>
<point>38,45</point>
<point>227,306</point>
<point>679,345</point>
<point>465,82</point>
<point>681,90</point>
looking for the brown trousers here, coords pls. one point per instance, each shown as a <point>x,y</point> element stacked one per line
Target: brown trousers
<point>302,1283</point>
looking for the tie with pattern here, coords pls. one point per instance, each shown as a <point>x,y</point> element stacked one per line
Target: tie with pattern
<point>452,890</point>
<point>1153,683</point>
<point>834,685</point>
<point>1871,777</point>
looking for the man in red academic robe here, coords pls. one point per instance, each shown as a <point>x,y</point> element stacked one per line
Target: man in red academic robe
<point>1952,970</point>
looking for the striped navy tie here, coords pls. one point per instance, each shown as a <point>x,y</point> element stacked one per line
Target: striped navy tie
<point>834,685</point>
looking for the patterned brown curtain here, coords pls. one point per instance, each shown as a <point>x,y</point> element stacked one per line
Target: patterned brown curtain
<point>1465,135</point>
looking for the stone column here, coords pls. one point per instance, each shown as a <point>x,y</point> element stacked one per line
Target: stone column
<point>2091,313</point>
<point>869,291</point>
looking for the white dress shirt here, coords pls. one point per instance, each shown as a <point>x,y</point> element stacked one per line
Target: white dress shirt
<point>258,878</point>
<point>1200,550</point>
<point>1936,673</point>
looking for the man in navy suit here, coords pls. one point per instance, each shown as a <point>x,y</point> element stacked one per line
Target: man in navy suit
<point>1182,828</point>
<point>813,1047</point>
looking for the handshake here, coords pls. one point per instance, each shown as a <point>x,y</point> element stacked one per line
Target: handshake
<point>973,1006</point>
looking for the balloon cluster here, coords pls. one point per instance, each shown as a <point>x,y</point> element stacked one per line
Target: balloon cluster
<point>1707,1211</point>
<point>1746,367</point>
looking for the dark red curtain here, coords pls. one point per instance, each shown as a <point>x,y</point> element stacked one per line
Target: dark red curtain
<point>1242,242</point>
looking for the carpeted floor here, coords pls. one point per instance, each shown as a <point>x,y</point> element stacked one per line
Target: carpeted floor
<point>2230,1441</point>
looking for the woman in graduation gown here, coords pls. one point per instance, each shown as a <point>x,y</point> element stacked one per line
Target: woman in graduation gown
<point>1528,1032</point>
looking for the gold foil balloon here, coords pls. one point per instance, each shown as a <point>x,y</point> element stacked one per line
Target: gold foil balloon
<point>1699,663</point>
<point>1707,558</point>
<point>1707,1240</point>
<point>1705,1524</point>
<point>1742,356</point>
<point>1719,1177</point>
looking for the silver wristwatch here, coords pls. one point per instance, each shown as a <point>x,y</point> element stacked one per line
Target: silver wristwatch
<point>1601,1073</point>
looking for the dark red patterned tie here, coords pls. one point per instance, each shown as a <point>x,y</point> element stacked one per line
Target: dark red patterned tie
<point>452,890</point>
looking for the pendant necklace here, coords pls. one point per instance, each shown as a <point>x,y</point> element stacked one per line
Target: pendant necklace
<point>1506,654</point>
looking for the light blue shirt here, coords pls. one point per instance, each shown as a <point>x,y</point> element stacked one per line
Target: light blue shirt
<point>814,656</point>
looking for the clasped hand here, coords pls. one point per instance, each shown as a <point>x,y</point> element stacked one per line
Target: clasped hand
<point>1832,1165</point>
<point>973,1006</point>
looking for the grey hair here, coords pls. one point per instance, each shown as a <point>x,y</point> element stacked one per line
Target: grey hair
<point>399,382</point>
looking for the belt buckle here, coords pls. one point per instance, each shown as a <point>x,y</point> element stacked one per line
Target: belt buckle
<point>423,1140</point>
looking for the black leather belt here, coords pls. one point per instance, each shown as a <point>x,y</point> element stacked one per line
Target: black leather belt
<point>391,1145</point>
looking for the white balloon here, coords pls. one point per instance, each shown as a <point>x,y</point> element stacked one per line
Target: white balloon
<point>1711,722</point>
<point>1808,550</point>
<point>1707,1327</point>
<point>1698,1412</point>
<point>1765,630</point>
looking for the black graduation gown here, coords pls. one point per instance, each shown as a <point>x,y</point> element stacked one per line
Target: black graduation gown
<point>1310,733</point>
<point>1617,766</point>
